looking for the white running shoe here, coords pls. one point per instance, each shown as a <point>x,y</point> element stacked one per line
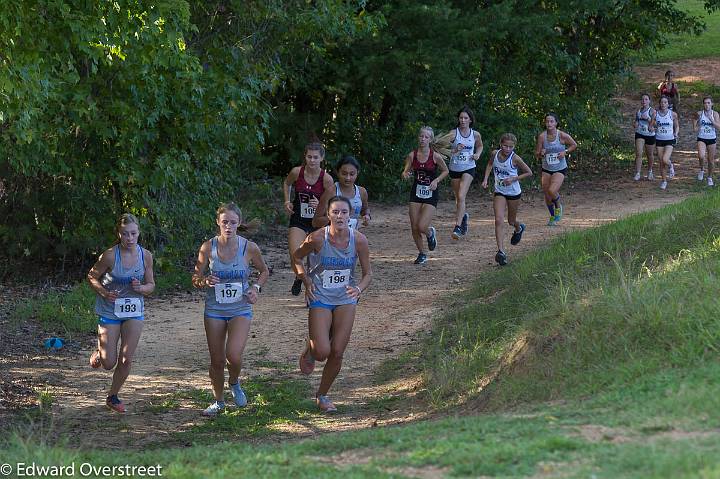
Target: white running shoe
<point>637,176</point>
<point>651,177</point>
<point>663,184</point>
<point>710,181</point>
<point>671,172</point>
<point>701,175</point>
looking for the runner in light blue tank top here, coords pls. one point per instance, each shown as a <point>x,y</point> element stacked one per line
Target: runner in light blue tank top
<point>332,292</point>
<point>347,169</point>
<point>226,259</point>
<point>228,299</point>
<point>121,278</point>
<point>552,147</point>
<point>332,270</point>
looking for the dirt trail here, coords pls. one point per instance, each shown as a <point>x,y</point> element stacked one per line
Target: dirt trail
<point>398,306</point>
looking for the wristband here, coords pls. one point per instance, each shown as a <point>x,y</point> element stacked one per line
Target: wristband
<point>359,290</point>
<point>258,287</point>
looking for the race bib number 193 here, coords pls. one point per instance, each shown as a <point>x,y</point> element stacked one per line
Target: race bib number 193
<point>228,292</point>
<point>128,307</point>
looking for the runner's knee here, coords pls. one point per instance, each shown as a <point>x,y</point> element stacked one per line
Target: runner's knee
<point>321,353</point>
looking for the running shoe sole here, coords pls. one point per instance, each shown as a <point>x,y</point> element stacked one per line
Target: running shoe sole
<point>296,287</point>
<point>118,408</point>
<point>432,240</point>
<point>325,405</point>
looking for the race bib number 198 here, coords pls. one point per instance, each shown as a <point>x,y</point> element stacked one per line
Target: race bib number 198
<point>228,292</point>
<point>128,307</point>
<point>337,278</point>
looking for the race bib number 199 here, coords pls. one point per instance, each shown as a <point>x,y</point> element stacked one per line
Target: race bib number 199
<point>228,292</point>
<point>337,278</point>
<point>128,307</point>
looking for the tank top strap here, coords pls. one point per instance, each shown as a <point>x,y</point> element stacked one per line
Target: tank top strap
<point>213,249</point>
<point>357,191</point>
<point>141,256</point>
<point>414,156</point>
<point>118,259</point>
<point>244,249</point>
<point>351,243</point>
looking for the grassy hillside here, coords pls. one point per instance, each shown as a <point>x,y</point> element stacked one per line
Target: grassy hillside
<point>618,325</point>
<point>690,46</point>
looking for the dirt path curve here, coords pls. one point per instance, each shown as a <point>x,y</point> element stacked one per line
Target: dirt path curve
<point>399,305</point>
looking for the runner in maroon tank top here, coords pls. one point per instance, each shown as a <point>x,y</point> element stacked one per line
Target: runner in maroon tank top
<point>308,182</point>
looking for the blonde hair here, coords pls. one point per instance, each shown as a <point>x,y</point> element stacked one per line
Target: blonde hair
<point>429,130</point>
<point>124,220</point>
<point>251,227</point>
<point>508,137</point>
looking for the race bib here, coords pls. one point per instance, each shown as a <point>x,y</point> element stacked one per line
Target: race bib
<point>353,222</point>
<point>463,157</point>
<point>706,130</point>
<point>128,307</point>
<point>226,293</point>
<point>644,129</point>
<point>552,159</point>
<point>306,211</point>
<point>663,130</point>
<point>423,191</point>
<point>335,278</point>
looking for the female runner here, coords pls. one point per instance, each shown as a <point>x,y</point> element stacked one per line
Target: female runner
<point>332,292</point>
<point>707,123</point>
<point>423,164</point>
<point>347,170</point>
<point>229,300</point>
<point>308,182</point>
<point>669,89</point>
<point>552,147</point>
<point>466,146</point>
<point>504,164</point>
<point>122,277</point>
<point>644,137</point>
<point>667,129</point>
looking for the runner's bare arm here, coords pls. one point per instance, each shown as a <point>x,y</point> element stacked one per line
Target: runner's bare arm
<point>257,261</point>
<point>440,161</point>
<point>539,150</point>
<point>406,173</point>
<point>522,166</point>
<point>290,179</point>
<point>104,264</point>
<point>199,280</point>
<point>148,286</point>
<point>488,169</point>
<point>478,146</point>
<point>365,210</point>
<point>568,141</point>
<point>320,219</point>
<point>363,252</point>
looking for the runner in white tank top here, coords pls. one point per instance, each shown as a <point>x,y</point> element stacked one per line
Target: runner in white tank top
<point>466,147</point>
<point>667,129</point>
<point>504,164</point>
<point>644,137</point>
<point>706,124</point>
<point>552,147</point>
<point>228,306</point>
<point>332,292</point>
<point>347,169</point>
<point>125,297</point>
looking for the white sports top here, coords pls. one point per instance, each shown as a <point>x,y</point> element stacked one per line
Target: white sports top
<point>664,126</point>
<point>707,127</point>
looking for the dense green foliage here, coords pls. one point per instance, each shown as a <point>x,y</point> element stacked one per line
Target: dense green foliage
<point>166,107</point>
<point>687,45</point>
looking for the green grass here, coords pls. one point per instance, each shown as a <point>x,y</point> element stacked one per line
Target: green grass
<point>595,308</point>
<point>663,426</point>
<point>688,45</point>
<point>621,330</point>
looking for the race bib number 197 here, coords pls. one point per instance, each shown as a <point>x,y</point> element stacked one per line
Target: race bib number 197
<point>228,292</point>
<point>128,307</point>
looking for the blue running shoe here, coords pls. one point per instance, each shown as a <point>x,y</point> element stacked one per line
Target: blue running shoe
<point>238,394</point>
